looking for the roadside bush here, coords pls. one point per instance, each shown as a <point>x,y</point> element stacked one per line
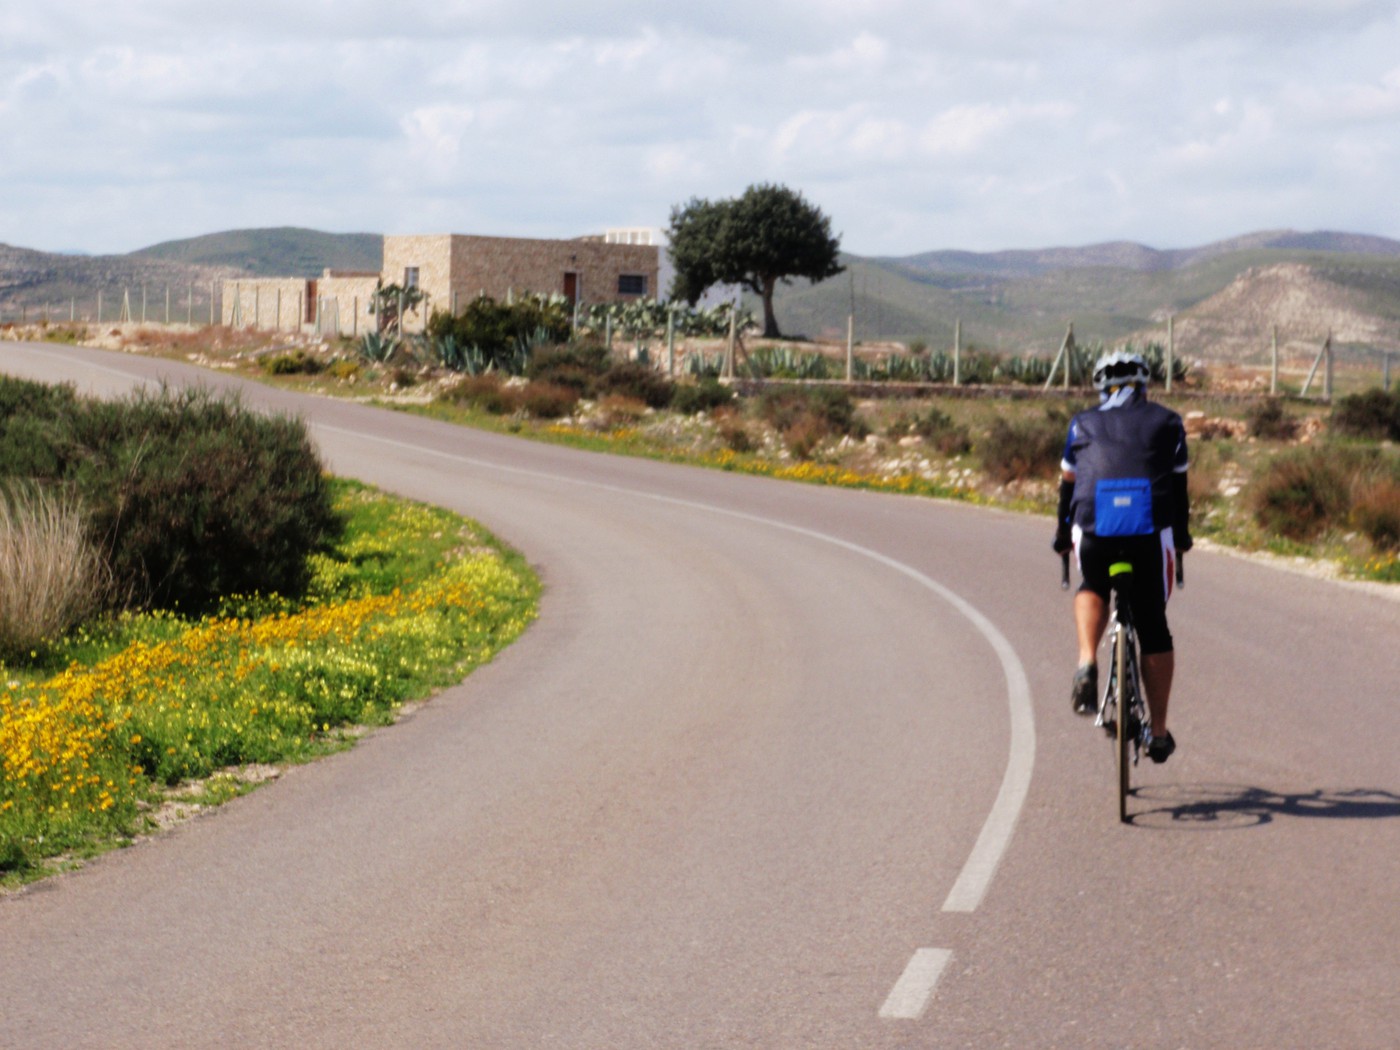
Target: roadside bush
<point>487,392</point>
<point>732,430</point>
<point>831,406</point>
<point>51,576</point>
<point>705,396</point>
<point>1374,414</point>
<point>503,333</point>
<point>1376,512</point>
<point>1302,494</point>
<point>578,366</point>
<point>1024,449</point>
<point>194,497</point>
<point>298,362</point>
<point>619,410</point>
<point>36,428</point>
<point>1267,419</point>
<point>187,496</point>
<point>545,400</point>
<point>938,429</point>
<point>635,380</point>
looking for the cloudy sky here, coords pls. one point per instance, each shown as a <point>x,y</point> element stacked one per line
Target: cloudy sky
<point>914,124</point>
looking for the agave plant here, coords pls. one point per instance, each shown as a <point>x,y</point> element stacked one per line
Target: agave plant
<point>378,346</point>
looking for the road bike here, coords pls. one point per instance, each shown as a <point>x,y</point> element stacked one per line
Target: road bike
<point>1123,714</point>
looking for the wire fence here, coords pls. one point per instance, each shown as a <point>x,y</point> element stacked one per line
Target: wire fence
<point>191,304</point>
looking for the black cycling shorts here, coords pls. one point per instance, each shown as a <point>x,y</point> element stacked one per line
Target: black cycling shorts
<point>1153,559</point>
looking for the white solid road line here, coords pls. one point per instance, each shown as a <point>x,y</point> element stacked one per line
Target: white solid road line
<point>909,998</point>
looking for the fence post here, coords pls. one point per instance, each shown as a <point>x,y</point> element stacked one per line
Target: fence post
<point>733,328</point>
<point>257,305</point>
<point>1385,370</point>
<point>1171,349</point>
<point>211,304</point>
<point>1273,367</point>
<point>99,306</point>
<point>1325,352</point>
<point>850,346</point>
<point>671,342</point>
<point>957,352</point>
<point>1327,378</point>
<point>143,304</point>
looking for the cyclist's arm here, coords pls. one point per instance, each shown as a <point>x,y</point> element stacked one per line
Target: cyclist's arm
<point>1181,508</point>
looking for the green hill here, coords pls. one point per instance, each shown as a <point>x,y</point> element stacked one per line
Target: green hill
<point>1023,301</point>
<point>281,252</point>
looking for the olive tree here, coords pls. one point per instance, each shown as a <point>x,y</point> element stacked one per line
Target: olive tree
<point>769,234</point>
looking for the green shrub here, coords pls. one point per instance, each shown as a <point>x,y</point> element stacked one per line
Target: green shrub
<point>545,400</point>
<point>705,396</point>
<point>36,428</point>
<point>938,429</point>
<point>486,392</point>
<point>194,497</point>
<point>188,496</point>
<point>1267,419</point>
<point>578,366</point>
<point>1376,512</point>
<point>1302,494</point>
<point>1023,449</point>
<point>504,334</point>
<point>832,406</point>
<point>298,362</point>
<point>1374,414</point>
<point>633,379</point>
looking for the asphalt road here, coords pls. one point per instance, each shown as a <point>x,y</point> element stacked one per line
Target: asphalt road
<point>778,766</point>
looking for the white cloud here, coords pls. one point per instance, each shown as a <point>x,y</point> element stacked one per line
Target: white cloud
<point>914,123</point>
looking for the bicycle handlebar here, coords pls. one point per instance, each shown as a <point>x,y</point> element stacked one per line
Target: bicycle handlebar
<point>1180,570</point>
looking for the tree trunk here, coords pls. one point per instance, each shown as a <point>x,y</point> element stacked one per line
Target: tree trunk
<point>770,320</point>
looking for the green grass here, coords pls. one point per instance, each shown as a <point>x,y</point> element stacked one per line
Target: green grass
<point>98,731</point>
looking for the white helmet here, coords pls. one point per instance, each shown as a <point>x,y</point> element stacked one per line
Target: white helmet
<point>1120,368</point>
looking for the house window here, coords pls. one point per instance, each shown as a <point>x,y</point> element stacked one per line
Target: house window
<point>632,284</point>
<point>410,277</point>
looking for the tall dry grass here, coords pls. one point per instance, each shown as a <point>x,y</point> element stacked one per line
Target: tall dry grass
<point>51,577</point>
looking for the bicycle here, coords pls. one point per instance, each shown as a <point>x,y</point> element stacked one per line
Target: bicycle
<point>1123,712</point>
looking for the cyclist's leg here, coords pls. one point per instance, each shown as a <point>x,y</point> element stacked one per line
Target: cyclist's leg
<point>1090,619</point>
<point>1091,600</point>
<point>1149,601</point>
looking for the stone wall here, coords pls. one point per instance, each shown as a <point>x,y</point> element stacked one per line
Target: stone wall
<point>454,269</point>
<point>338,302</point>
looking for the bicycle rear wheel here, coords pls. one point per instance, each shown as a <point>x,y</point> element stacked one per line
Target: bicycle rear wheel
<point>1123,703</point>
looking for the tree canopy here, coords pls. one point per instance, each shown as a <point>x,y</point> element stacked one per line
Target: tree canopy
<point>770,234</point>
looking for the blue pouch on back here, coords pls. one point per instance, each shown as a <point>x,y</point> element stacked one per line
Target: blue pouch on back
<point>1123,507</point>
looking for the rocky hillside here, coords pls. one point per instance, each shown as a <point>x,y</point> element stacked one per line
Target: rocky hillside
<point>1303,302</point>
<point>36,282</point>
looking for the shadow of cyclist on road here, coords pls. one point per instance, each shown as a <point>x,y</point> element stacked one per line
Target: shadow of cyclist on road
<point>1226,806</point>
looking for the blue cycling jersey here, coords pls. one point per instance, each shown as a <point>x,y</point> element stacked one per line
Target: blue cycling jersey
<point>1123,455</point>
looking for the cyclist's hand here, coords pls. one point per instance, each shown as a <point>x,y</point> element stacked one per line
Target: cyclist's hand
<point>1062,542</point>
<point>1185,543</point>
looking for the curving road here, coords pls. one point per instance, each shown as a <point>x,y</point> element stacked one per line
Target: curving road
<point>779,766</point>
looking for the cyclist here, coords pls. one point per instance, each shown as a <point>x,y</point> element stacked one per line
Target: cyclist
<point>1123,498</point>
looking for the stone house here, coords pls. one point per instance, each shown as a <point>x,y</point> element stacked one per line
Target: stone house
<point>453,269</point>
